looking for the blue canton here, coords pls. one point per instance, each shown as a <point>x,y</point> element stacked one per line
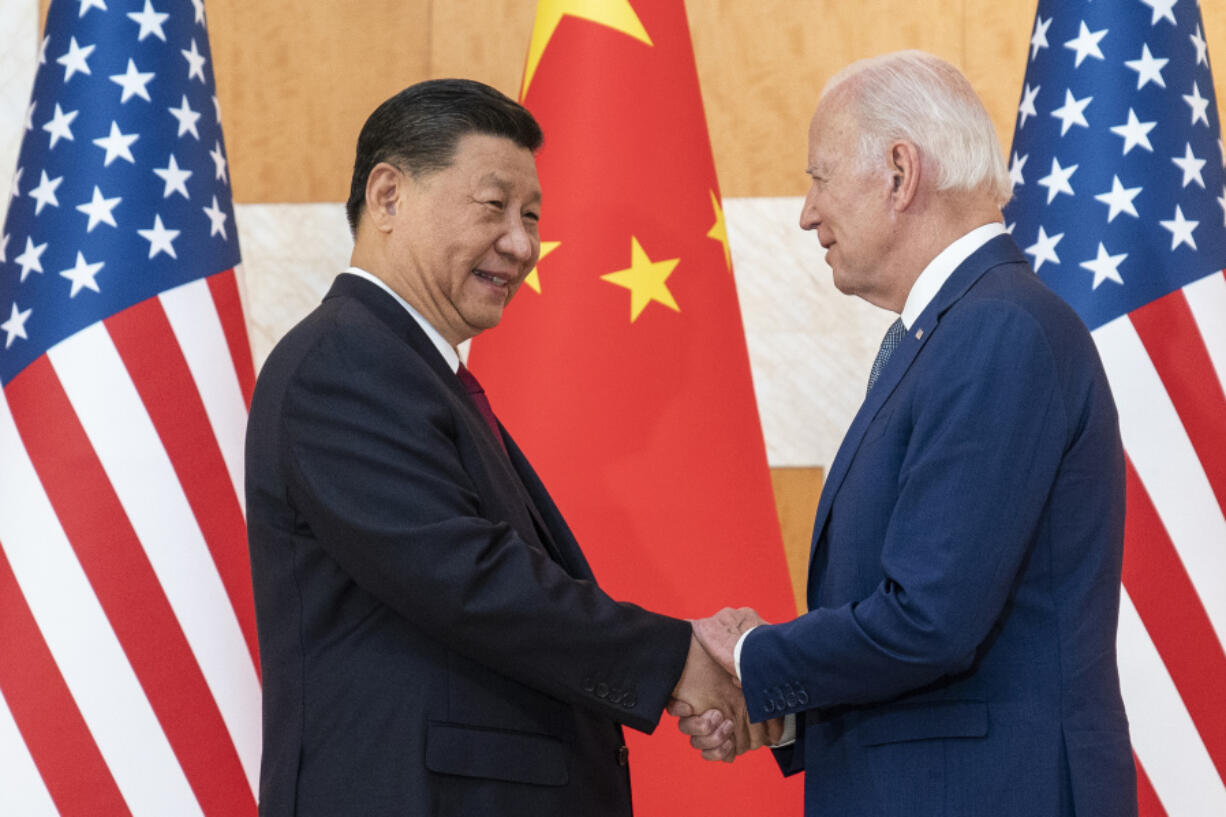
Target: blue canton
<point>1117,161</point>
<point>122,184</point>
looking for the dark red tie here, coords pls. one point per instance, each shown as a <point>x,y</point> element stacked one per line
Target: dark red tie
<point>481,401</point>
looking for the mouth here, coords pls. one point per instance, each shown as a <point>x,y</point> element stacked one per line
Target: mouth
<point>493,278</point>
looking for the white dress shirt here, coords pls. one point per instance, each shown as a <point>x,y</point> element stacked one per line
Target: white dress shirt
<point>934,276</point>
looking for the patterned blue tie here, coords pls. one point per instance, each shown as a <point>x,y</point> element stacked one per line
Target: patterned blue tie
<point>893,337</point>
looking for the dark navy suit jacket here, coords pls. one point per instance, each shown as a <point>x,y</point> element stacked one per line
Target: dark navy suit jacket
<point>432,641</point>
<point>959,658</point>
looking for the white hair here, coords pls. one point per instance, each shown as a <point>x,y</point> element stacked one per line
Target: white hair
<point>922,99</point>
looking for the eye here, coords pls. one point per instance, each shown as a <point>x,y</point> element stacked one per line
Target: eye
<point>497,204</point>
<point>534,217</point>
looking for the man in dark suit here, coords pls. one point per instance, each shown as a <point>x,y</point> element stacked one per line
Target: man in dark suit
<point>958,658</point>
<point>432,640</point>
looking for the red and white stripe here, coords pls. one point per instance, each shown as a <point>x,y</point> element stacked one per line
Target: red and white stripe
<point>1167,365</point>
<point>124,584</point>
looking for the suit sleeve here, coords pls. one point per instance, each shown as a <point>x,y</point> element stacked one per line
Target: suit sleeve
<point>374,468</point>
<point>988,429</point>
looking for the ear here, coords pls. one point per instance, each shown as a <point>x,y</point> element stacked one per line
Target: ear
<point>905,174</point>
<point>384,189</point>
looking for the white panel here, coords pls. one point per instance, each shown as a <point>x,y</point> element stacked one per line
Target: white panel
<point>18,61</point>
<point>291,253</point>
<point>810,346</point>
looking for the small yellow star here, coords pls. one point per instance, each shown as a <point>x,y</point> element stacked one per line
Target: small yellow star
<point>720,230</point>
<point>534,278</point>
<point>646,280</point>
<point>616,14</point>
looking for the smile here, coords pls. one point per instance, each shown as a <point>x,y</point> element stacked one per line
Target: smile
<point>496,280</point>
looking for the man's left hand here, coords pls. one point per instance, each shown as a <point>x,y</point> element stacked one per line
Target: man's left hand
<point>719,633</point>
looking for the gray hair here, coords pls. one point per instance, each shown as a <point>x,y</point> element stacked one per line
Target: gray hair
<point>914,96</point>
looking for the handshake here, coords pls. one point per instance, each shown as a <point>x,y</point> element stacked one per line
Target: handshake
<point>707,699</point>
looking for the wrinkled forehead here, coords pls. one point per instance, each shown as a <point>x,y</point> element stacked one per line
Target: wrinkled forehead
<point>831,130</point>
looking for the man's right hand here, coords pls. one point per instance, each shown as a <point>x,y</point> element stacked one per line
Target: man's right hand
<point>711,708</point>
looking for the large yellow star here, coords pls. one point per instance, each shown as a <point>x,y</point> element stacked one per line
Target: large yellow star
<point>534,278</point>
<point>720,231</point>
<point>616,14</point>
<point>645,279</point>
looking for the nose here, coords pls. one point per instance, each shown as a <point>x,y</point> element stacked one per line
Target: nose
<point>518,242</point>
<point>809,217</point>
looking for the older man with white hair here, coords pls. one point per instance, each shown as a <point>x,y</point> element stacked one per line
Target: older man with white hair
<point>958,656</point>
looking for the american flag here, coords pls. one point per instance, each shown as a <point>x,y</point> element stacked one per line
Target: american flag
<point>1120,200</point>
<point>129,679</point>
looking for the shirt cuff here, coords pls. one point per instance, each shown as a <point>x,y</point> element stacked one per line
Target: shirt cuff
<point>736,651</point>
<point>789,732</point>
<point>789,721</point>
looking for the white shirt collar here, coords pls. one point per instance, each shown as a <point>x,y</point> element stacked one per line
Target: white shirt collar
<point>940,268</point>
<point>444,348</point>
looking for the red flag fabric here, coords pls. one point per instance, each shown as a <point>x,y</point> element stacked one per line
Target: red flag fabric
<point>129,682</point>
<point>621,368</point>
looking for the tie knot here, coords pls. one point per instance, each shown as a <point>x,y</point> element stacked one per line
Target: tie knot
<point>893,336</point>
<point>481,402</point>
<point>469,380</point>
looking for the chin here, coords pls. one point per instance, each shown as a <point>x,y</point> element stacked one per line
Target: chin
<point>486,321</point>
<point>841,283</point>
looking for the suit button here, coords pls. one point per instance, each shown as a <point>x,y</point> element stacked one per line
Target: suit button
<point>769,706</point>
<point>623,756</point>
<point>615,697</point>
<point>630,701</point>
<point>791,700</point>
<point>780,704</point>
<point>602,690</point>
<point>802,697</point>
<point>588,684</point>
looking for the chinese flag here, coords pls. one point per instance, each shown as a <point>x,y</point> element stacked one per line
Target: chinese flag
<point>621,369</point>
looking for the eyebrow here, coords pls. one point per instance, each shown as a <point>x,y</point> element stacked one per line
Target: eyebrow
<point>502,184</point>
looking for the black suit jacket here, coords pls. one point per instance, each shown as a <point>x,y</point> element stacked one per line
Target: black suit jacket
<point>432,640</point>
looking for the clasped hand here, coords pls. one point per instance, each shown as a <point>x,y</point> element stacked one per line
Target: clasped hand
<point>707,699</point>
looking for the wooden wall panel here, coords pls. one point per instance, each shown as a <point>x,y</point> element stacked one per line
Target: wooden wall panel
<point>762,65</point>
<point>1213,15</point>
<point>459,48</point>
<point>796,494</point>
<point>297,81</point>
<point>994,58</point>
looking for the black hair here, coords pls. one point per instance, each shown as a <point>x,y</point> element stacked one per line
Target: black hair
<point>417,130</point>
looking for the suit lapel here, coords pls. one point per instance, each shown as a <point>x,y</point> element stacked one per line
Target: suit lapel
<point>385,307</point>
<point>554,533</point>
<point>998,250</point>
